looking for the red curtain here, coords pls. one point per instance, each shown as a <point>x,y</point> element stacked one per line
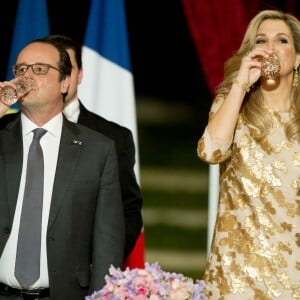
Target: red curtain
<point>217,28</point>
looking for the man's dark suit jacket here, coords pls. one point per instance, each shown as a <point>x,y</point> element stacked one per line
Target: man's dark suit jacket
<point>86,223</point>
<point>131,194</point>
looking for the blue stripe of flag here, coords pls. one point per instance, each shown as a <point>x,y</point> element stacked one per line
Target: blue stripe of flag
<point>106,31</point>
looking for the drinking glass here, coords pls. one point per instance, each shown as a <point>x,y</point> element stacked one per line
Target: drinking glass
<point>10,95</point>
<point>271,67</point>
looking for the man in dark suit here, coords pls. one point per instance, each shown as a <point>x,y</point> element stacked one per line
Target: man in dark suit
<point>76,112</point>
<point>83,230</point>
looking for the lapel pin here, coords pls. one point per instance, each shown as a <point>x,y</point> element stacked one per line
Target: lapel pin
<point>76,142</point>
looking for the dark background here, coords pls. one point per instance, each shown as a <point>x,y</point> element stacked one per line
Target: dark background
<point>164,60</point>
<point>163,57</point>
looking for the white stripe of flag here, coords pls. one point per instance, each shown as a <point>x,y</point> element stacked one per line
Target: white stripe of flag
<point>107,87</point>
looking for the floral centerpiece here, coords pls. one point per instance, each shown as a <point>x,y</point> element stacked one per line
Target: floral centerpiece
<point>150,283</point>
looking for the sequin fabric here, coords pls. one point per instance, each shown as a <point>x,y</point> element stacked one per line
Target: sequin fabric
<point>255,250</point>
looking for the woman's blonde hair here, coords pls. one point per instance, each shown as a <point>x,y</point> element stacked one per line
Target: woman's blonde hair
<point>252,105</point>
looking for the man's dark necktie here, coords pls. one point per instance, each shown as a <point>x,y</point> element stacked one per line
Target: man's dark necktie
<point>27,269</point>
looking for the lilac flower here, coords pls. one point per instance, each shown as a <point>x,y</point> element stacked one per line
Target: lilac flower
<point>150,283</point>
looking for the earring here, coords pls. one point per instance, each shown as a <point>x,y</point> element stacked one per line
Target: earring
<point>296,77</point>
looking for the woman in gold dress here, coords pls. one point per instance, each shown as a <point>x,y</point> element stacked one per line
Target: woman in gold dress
<point>253,133</point>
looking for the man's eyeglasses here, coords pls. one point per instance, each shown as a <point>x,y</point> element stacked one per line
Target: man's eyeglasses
<point>38,69</point>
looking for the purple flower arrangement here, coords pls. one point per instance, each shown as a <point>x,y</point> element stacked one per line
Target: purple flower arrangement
<point>150,283</point>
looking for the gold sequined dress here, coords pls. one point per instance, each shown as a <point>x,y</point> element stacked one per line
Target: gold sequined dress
<point>255,252</point>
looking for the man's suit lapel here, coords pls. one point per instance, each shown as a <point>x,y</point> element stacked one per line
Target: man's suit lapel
<point>12,146</point>
<point>69,152</point>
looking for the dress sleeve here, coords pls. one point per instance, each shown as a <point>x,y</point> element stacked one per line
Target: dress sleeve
<point>213,149</point>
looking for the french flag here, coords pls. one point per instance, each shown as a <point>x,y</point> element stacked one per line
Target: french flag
<point>107,86</point>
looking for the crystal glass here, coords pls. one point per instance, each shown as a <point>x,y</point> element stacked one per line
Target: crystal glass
<point>10,95</point>
<point>271,67</point>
